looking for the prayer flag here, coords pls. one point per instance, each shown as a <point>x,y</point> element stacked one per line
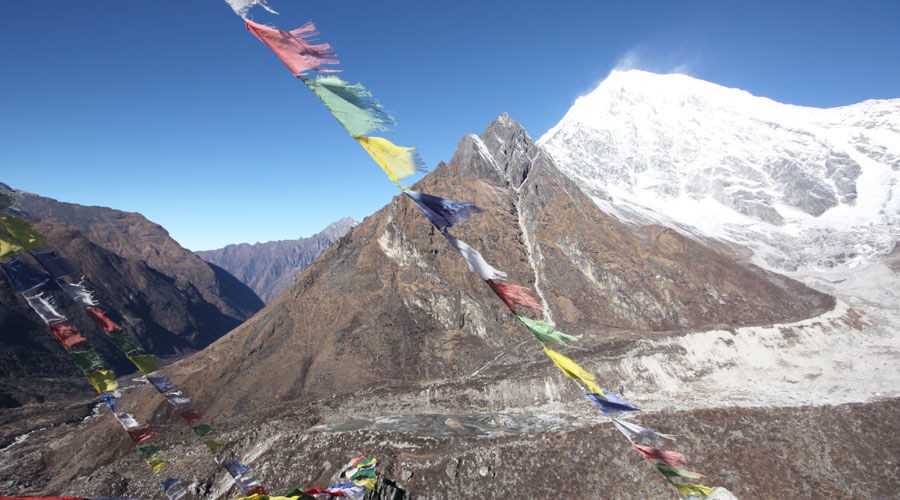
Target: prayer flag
<point>442,213</point>
<point>352,105</point>
<point>363,473</point>
<point>22,232</point>
<point>632,430</point>
<point>670,471</point>
<point>23,276</point>
<point>242,7</point>
<point>161,382</point>
<point>177,399</point>
<point>55,264</point>
<point>7,247</point>
<point>67,334</point>
<point>213,445</point>
<point>79,293</point>
<point>190,416</point>
<point>544,332</point>
<point>573,371</point>
<point>110,401</point>
<point>149,451</point>
<point>295,47</point>
<point>692,490</point>
<point>611,404</point>
<point>169,483</point>
<point>474,259</point>
<point>202,430</point>
<point>42,304</point>
<point>236,468</point>
<point>665,456</point>
<point>124,345</point>
<point>127,420</point>
<point>101,320</point>
<point>140,433</point>
<point>87,361</point>
<point>146,363</point>
<point>156,464</point>
<point>349,490</point>
<point>396,161</point>
<point>364,461</point>
<point>103,380</point>
<point>514,294</point>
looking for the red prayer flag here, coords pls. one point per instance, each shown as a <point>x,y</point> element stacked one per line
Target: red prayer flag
<point>191,416</point>
<point>103,323</point>
<point>294,47</point>
<point>140,433</point>
<point>514,294</point>
<point>667,457</point>
<point>66,334</point>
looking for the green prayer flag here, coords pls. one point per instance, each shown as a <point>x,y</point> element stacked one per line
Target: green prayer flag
<point>202,430</point>
<point>124,345</point>
<point>213,445</point>
<point>370,473</point>
<point>22,232</point>
<point>149,451</point>
<point>545,333</point>
<point>87,361</point>
<point>671,472</point>
<point>352,105</point>
<point>146,363</point>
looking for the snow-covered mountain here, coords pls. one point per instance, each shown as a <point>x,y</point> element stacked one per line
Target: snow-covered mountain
<point>804,188</point>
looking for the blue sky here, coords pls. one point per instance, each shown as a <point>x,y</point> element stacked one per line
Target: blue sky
<point>172,109</point>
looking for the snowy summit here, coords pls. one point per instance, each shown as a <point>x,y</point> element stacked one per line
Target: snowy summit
<point>802,187</point>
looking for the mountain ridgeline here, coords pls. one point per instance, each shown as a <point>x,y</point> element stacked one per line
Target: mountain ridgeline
<point>393,301</point>
<point>171,301</point>
<point>268,268</point>
<point>655,220</point>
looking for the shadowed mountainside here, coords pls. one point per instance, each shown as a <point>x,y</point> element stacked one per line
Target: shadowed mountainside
<point>170,301</point>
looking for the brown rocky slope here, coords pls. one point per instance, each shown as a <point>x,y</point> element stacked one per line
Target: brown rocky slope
<point>388,344</point>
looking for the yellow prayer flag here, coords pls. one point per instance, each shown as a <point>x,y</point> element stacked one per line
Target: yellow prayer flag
<point>396,161</point>
<point>146,363</point>
<point>102,380</point>
<point>368,483</point>
<point>8,247</point>
<point>692,490</point>
<point>22,231</point>
<point>156,464</point>
<point>573,371</point>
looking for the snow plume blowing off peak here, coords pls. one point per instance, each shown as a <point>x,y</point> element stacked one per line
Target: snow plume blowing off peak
<point>804,188</point>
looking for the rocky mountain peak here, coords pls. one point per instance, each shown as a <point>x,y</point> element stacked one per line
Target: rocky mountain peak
<point>502,152</point>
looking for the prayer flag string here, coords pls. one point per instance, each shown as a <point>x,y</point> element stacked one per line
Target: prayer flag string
<point>100,377</point>
<point>356,110</point>
<point>59,270</point>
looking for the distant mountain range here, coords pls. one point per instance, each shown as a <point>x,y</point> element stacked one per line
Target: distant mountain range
<point>173,302</point>
<point>268,268</point>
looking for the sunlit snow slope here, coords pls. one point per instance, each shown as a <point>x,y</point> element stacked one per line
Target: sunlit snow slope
<point>802,187</point>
